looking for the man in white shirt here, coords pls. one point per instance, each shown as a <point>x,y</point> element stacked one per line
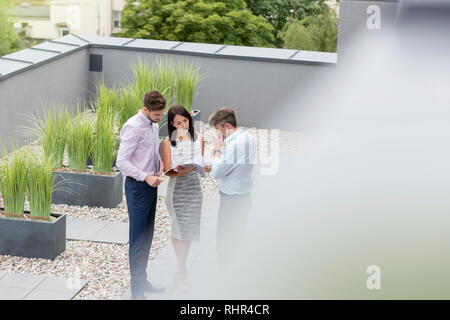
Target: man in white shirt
<point>232,166</point>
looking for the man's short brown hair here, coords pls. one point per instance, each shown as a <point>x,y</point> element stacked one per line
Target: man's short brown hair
<point>222,116</point>
<point>154,101</point>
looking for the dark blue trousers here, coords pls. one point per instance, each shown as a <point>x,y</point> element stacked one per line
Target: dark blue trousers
<point>141,203</point>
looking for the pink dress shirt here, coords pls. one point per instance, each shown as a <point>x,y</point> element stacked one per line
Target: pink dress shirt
<point>139,144</point>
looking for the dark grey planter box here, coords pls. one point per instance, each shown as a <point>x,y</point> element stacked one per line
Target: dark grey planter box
<point>163,131</point>
<point>88,189</point>
<point>90,163</point>
<point>33,238</point>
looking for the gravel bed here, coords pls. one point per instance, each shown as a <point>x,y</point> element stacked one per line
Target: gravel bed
<point>103,265</point>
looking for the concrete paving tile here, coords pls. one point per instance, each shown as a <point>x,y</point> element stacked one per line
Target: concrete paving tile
<point>69,219</point>
<point>208,224</point>
<point>2,274</point>
<point>210,205</point>
<point>161,278</point>
<point>113,232</point>
<point>209,255</point>
<point>208,217</point>
<point>49,295</point>
<point>116,226</point>
<point>9,293</point>
<point>198,290</point>
<point>208,235</point>
<point>110,237</point>
<point>209,212</point>
<point>160,296</point>
<point>167,253</point>
<point>204,243</point>
<point>60,284</point>
<point>21,280</point>
<point>161,265</point>
<point>151,296</point>
<point>84,229</point>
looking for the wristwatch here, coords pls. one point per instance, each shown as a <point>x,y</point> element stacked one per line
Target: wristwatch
<point>217,150</point>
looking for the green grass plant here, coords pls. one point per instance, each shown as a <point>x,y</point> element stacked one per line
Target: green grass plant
<point>145,76</point>
<point>166,79</point>
<point>40,183</point>
<point>129,104</point>
<point>188,76</point>
<point>80,139</point>
<point>105,143</point>
<point>13,178</point>
<point>52,131</point>
<point>107,99</point>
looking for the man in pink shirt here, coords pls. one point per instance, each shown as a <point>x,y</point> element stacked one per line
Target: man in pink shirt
<point>139,161</point>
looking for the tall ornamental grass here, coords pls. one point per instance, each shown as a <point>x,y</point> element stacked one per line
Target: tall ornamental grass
<point>105,143</point>
<point>13,178</point>
<point>166,79</point>
<point>107,99</point>
<point>51,130</point>
<point>129,104</point>
<point>80,140</point>
<point>159,75</point>
<point>39,188</point>
<point>188,76</point>
<point>145,76</point>
<point>54,136</point>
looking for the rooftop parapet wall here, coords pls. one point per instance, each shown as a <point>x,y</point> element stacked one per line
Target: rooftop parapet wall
<point>254,81</point>
<point>53,80</point>
<point>45,52</point>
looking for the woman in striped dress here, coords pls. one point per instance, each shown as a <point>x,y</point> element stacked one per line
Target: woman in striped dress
<point>184,193</point>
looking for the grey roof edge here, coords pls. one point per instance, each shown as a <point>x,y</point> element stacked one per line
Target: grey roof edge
<point>17,60</point>
<point>87,45</point>
<point>40,63</point>
<point>213,55</point>
<point>80,37</point>
<point>294,54</point>
<point>66,43</point>
<point>128,45</point>
<point>220,49</point>
<point>177,45</point>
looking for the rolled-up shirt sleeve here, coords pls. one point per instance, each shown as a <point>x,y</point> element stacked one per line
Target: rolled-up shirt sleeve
<point>129,138</point>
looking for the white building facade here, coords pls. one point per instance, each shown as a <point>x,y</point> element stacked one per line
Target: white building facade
<point>60,17</point>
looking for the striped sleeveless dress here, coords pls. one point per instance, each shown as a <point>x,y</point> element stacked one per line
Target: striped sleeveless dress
<point>184,194</point>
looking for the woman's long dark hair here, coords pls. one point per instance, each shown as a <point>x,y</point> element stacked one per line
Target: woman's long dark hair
<point>180,110</point>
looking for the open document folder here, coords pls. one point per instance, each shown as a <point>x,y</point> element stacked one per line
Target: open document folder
<point>197,161</point>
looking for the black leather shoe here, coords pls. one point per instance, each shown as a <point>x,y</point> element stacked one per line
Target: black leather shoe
<point>148,287</point>
<point>137,295</point>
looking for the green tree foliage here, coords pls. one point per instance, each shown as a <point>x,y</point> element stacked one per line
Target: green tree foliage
<point>313,33</point>
<point>208,21</point>
<point>9,40</point>
<point>280,12</point>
